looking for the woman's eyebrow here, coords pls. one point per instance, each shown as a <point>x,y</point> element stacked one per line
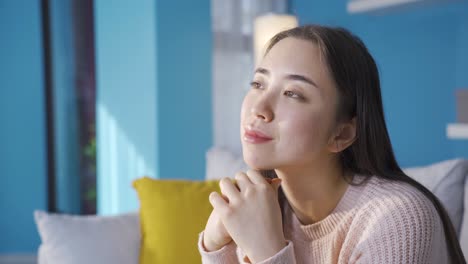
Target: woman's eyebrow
<point>298,77</point>
<point>262,71</point>
<point>294,77</point>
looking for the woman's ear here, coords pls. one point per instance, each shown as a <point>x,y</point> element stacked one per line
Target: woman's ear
<point>344,136</point>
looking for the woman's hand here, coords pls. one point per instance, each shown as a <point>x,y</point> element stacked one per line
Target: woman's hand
<point>252,215</point>
<point>215,235</point>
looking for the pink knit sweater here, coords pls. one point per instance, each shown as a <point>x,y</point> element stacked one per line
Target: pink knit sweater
<point>378,222</point>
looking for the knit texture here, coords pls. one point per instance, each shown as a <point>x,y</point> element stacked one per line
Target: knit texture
<point>380,221</point>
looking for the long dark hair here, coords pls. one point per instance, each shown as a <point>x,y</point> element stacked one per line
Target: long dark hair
<point>357,79</point>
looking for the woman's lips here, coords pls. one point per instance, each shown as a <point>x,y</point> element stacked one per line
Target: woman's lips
<point>256,137</point>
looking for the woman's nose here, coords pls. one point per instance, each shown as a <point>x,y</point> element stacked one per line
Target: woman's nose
<point>262,110</point>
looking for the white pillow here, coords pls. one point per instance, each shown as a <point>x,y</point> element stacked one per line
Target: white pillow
<point>223,163</point>
<point>69,239</point>
<point>446,180</point>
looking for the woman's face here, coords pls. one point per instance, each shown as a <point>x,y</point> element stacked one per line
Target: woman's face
<point>288,115</point>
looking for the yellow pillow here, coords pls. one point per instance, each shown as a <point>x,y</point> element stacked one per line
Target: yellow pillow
<point>172,214</point>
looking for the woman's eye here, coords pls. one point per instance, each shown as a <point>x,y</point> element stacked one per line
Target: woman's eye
<point>292,94</point>
<point>255,85</point>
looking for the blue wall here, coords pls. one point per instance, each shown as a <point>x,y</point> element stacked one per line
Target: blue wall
<point>154,94</point>
<point>22,133</point>
<point>422,54</point>
<point>184,119</point>
<point>126,100</point>
<point>460,147</point>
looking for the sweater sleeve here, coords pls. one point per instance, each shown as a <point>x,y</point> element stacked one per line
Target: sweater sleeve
<point>225,255</point>
<point>231,254</point>
<point>409,230</point>
<point>284,256</point>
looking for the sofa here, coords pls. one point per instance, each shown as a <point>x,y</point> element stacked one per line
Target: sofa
<point>92,239</point>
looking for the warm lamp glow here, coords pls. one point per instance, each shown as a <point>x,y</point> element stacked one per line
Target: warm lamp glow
<point>265,27</point>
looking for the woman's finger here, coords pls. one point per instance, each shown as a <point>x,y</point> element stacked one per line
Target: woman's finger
<point>255,177</point>
<point>229,189</point>
<point>242,181</point>
<point>218,203</point>
<point>276,183</point>
<point>225,198</point>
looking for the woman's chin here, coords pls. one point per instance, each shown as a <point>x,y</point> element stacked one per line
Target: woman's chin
<point>258,163</point>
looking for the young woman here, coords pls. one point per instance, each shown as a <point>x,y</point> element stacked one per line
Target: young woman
<point>314,122</point>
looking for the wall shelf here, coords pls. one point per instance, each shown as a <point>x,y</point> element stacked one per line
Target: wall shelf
<point>362,6</point>
<point>457,131</point>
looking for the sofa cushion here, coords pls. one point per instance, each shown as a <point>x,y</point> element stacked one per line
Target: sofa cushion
<point>223,163</point>
<point>172,213</point>
<point>446,180</point>
<point>88,239</point>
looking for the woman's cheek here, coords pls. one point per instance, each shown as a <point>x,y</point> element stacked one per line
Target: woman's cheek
<point>303,133</point>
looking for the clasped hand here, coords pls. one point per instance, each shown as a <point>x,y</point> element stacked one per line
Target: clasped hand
<point>251,214</point>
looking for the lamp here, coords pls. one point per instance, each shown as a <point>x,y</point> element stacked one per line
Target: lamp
<point>267,26</point>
